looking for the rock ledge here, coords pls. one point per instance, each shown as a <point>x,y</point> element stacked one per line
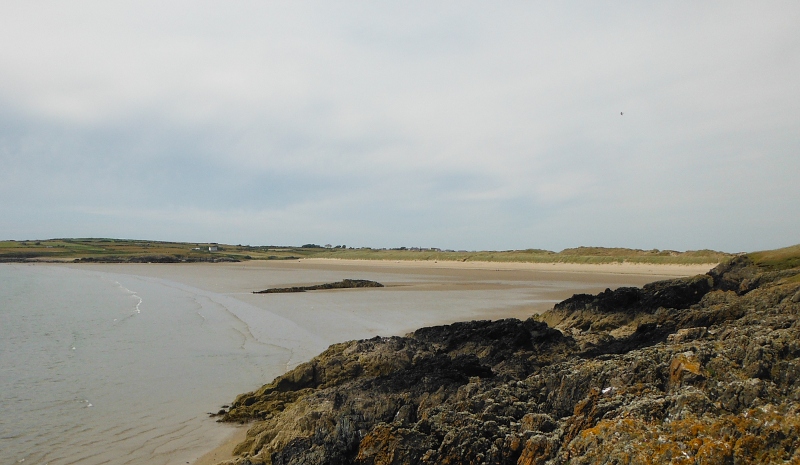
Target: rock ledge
<point>700,370</point>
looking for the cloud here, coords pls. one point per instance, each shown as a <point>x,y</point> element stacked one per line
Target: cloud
<point>470,125</point>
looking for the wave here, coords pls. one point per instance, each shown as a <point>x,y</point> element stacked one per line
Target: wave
<point>133,294</point>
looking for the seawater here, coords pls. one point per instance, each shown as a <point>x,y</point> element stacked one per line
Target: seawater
<point>107,368</point>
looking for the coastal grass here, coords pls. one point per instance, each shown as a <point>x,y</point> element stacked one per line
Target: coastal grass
<point>580,255</point>
<point>122,249</point>
<point>778,259</point>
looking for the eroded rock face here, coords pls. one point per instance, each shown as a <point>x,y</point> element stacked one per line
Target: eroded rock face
<point>697,370</point>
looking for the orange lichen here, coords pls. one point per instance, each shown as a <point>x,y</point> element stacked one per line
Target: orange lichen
<point>694,440</point>
<point>681,365</point>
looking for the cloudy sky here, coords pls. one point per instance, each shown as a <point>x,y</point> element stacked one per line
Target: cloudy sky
<point>465,125</point>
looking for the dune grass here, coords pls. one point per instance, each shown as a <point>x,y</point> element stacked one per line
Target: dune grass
<point>70,249</point>
<point>589,255</point>
<point>778,259</point>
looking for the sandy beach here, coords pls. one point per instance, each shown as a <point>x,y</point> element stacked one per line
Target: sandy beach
<point>517,289</point>
<point>244,276</point>
<point>417,294</point>
<point>606,268</point>
<point>225,450</point>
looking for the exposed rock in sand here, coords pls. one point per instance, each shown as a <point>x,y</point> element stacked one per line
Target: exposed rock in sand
<point>694,370</point>
<point>343,284</point>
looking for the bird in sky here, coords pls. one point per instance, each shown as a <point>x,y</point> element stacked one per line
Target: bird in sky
<point>620,113</point>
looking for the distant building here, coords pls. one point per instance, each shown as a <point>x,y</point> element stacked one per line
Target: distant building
<point>212,248</point>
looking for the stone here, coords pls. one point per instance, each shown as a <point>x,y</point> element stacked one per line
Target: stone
<point>695,370</point>
<point>687,334</point>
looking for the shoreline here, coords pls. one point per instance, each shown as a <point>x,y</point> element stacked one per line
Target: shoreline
<point>224,451</point>
<point>622,268</point>
<point>560,387</point>
<point>237,280</point>
<point>656,269</point>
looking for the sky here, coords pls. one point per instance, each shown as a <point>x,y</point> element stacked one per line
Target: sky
<point>459,125</point>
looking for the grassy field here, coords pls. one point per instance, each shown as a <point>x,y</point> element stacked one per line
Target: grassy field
<point>124,249</point>
<point>140,250</point>
<point>578,255</point>
<point>778,259</point>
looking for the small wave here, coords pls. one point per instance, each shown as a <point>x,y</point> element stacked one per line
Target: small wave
<point>124,289</point>
<point>133,294</point>
<point>289,360</point>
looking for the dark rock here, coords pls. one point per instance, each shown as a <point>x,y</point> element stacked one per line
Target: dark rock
<point>673,293</point>
<point>344,284</point>
<point>687,334</point>
<point>729,276</point>
<point>701,370</point>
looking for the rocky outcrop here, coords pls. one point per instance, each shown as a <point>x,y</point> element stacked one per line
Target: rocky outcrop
<point>698,370</point>
<point>343,284</point>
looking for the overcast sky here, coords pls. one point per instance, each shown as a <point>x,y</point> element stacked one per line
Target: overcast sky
<point>464,125</point>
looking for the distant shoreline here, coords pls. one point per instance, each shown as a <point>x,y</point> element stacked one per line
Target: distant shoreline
<point>623,268</point>
<point>658,269</point>
<point>140,251</point>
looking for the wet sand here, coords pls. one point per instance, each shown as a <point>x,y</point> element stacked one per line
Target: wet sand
<point>454,276</point>
<point>225,450</point>
<point>244,277</point>
<point>607,268</point>
<point>519,289</point>
<point>507,290</point>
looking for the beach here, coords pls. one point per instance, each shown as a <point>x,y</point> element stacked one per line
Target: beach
<point>462,275</point>
<point>196,335</point>
<point>466,276</point>
<point>417,293</point>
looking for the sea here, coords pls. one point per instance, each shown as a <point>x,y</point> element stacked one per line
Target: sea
<point>99,366</point>
<point>102,368</point>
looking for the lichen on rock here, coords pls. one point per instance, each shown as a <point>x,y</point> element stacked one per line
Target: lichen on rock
<point>696,370</point>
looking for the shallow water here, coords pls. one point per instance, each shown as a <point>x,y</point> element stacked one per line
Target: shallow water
<point>104,368</point>
<point>104,365</point>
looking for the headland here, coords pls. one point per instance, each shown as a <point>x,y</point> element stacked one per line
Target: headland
<point>703,369</point>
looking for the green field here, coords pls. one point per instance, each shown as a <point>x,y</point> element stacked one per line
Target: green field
<point>778,259</point>
<point>141,250</point>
